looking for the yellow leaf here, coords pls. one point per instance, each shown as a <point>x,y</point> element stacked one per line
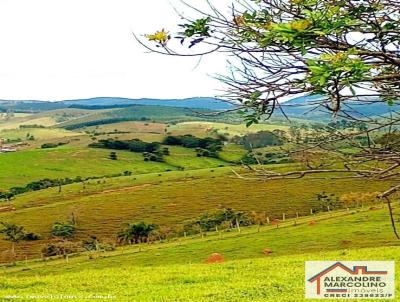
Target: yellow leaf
<point>300,25</point>
<point>239,20</point>
<point>159,36</point>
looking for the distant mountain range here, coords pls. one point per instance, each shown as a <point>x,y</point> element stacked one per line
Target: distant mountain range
<point>302,107</point>
<point>308,107</point>
<point>104,102</point>
<point>196,102</point>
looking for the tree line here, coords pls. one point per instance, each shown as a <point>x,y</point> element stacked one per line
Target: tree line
<point>207,147</point>
<point>51,183</point>
<point>150,151</point>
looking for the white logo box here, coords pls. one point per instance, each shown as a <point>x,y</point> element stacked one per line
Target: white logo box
<point>350,280</point>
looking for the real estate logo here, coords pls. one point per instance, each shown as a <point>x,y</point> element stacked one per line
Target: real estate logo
<point>349,280</point>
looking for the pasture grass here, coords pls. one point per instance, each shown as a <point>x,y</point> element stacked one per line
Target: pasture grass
<point>229,129</point>
<point>268,279</point>
<point>232,153</point>
<point>20,168</point>
<point>176,271</point>
<point>38,133</point>
<point>187,159</point>
<point>169,199</point>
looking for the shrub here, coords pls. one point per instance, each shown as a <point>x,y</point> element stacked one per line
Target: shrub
<point>204,146</point>
<point>136,233</point>
<point>113,156</point>
<point>94,244</point>
<point>48,146</point>
<point>32,237</point>
<point>157,156</point>
<point>64,230</point>
<point>258,140</point>
<point>61,248</point>
<point>223,218</point>
<point>165,151</point>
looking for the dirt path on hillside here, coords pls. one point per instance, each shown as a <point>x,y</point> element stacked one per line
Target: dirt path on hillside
<point>133,188</point>
<point>74,198</point>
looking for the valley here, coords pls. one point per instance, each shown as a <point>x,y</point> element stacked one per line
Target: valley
<point>99,169</point>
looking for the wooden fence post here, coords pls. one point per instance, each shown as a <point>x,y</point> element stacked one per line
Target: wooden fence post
<point>238,225</point>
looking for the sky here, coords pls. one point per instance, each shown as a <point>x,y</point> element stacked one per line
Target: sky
<point>68,49</point>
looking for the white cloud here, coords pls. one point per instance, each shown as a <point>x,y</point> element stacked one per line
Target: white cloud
<point>65,49</point>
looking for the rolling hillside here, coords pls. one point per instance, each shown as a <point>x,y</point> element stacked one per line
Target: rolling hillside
<point>104,206</point>
<point>304,108</point>
<point>196,102</point>
<point>94,103</point>
<point>141,113</point>
<point>176,271</point>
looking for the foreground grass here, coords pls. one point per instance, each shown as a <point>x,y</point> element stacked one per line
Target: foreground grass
<point>176,272</point>
<point>270,279</point>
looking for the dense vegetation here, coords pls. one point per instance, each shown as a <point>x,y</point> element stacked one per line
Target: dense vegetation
<point>151,151</point>
<point>103,122</point>
<point>50,183</point>
<point>207,147</point>
<point>260,139</point>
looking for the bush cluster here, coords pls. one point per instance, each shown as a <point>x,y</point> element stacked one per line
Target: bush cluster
<point>208,146</point>
<point>222,218</point>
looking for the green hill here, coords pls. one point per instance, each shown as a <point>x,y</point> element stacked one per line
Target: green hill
<point>168,199</point>
<point>147,113</point>
<point>176,271</point>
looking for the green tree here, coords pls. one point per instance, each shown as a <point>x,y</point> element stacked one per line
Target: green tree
<point>12,233</point>
<point>63,230</point>
<point>113,156</point>
<point>136,233</point>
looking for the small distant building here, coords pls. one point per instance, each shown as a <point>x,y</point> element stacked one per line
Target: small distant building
<point>7,149</point>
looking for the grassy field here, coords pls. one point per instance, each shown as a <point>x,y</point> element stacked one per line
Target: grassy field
<point>171,194</point>
<point>47,118</point>
<point>145,131</point>
<point>38,133</point>
<point>76,159</point>
<point>232,153</point>
<point>175,271</point>
<point>160,130</point>
<point>168,199</point>
<point>20,168</point>
<point>224,128</point>
<point>187,159</point>
<point>133,127</point>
